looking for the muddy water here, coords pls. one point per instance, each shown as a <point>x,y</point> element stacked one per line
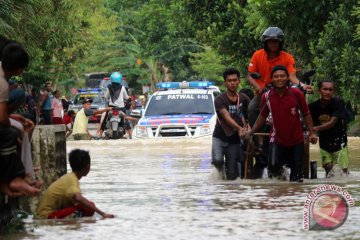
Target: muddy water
<point>168,190</point>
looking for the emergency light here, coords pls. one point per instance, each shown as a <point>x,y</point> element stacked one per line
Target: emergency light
<point>184,84</point>
<point>89,90</point>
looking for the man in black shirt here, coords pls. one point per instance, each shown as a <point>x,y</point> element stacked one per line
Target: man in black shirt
<point>231,109</point>
<point>328,114</point>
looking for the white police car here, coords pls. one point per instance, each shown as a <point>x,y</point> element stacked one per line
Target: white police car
<point>179,109</point>
<point>99,102</point>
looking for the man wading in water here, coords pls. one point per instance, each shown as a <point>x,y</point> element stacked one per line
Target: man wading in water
<point>286,135</point>
<point>330,123</point>
<point>231,108</point>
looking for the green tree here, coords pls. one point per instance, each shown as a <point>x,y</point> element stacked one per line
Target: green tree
<point>337,54</point>
<point>208,65</point>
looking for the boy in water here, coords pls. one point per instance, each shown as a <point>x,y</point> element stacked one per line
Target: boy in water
<point>63,198</point>
<point>329,120</point>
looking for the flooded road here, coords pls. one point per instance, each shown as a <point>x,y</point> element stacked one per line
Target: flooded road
<point>167,189</point>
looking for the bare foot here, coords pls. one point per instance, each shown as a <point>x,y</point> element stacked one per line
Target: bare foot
<point>20,185</point>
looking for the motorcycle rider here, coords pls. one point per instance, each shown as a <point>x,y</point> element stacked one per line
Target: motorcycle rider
<point>117,96</point>
<point>261,63</point>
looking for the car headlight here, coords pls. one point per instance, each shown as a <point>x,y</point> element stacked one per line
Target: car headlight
<point>141,131</point>
<point>205,129</point>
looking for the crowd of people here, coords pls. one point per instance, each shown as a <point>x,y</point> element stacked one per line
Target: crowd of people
<point>281,111</point>
<point>17,174</point>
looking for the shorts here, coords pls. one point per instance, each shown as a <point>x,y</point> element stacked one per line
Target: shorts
<point>11,165</point>
<point>72,212</point>
<point>81,136</point>
<point>340,157</point>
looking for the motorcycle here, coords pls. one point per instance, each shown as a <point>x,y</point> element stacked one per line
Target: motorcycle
<point>115,124</point>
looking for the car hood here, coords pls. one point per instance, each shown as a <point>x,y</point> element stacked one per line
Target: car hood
<point>189,119</point>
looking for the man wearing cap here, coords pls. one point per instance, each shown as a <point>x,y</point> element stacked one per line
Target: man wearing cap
<point>80,129</point>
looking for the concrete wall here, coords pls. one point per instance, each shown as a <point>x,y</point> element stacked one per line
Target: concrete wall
<point>49,153</point>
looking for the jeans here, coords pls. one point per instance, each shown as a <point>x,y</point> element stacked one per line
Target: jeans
<point>292,157</point>
<point>234,157</point>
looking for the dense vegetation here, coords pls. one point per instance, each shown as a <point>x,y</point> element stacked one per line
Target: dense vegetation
<point>148,39</point>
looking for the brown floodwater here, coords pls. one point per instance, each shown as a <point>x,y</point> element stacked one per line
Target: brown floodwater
<point>167,189</point>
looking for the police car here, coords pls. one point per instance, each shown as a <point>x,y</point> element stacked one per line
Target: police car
<point>99,102</point>
<point>179,109</point>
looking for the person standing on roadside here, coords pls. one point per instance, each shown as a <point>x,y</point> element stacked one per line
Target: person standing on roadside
<point>231,108</point>
<point>57,109</point>
<point>330,123</point>
<point>286,105</point>
<point>45,104</point>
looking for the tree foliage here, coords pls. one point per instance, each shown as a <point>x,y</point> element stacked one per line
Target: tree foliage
<point>193,39</point>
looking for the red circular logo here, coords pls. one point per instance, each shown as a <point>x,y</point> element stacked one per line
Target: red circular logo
<point>329,210</point>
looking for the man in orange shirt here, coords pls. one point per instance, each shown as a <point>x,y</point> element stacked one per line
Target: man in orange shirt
<point>262,63</point>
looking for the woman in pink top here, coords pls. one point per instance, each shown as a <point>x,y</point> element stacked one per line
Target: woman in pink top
<point>57,109</point>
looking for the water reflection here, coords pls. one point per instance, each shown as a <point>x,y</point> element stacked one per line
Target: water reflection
<point>167,189</point>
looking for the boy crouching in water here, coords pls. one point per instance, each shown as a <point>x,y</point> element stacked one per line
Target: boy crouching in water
<point>63,197</point>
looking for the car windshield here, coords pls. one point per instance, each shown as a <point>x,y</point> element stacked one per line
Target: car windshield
<point>174,104</point>
<point>94,96</point>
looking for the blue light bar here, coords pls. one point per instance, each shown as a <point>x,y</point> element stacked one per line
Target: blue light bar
<point>89,90</point>
<point>175,85</point>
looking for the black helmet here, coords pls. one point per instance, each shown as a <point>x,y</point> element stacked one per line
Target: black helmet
<point>273,33</point>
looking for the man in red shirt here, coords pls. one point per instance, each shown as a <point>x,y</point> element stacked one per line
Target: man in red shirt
<point>286,135</point>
